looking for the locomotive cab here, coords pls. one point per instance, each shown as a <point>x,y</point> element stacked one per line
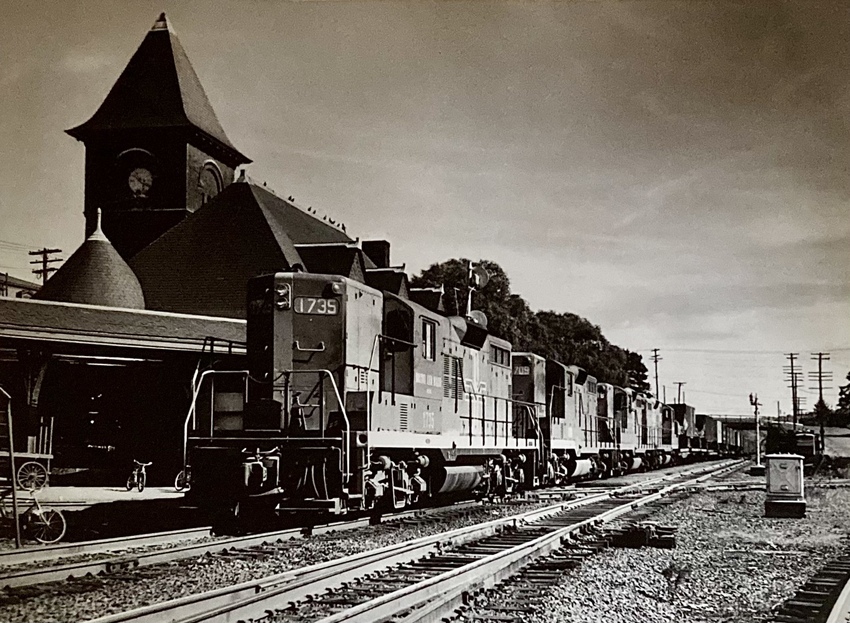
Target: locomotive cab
<point>356,399</point>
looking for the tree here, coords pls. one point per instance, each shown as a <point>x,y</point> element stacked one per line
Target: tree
<point>564,337</point>
<point>842,409</point>
<point>843,405</point>
<point>637,372</point>
<point>508,315</point>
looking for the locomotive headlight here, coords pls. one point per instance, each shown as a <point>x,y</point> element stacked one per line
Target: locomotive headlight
<point>336,288</point>
<point>283,292</point>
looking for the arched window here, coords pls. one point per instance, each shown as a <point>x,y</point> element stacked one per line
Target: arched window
<point>209,181</point>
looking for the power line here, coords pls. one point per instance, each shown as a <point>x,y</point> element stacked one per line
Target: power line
<point>45,270</point>
<point>821,376</point>
<point>679,393</point>
<point>655,360</point>
<point>9,243</point>
<point>722,351</point>
<point>794,375</point>
<point>704,391</point>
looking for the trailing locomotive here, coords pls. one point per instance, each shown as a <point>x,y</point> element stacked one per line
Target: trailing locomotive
<point>357,399</point>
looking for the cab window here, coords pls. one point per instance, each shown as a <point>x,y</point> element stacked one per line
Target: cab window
<point>429,339</point>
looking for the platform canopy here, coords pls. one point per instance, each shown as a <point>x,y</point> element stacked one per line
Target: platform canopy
<point>50,322</point>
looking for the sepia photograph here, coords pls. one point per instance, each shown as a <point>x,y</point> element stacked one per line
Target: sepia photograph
<point>425,311</point>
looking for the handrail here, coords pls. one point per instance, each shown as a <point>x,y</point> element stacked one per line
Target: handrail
<point>13,481</point>
<point>196,390</point>
<point>381,336</point>
<point>347,435</point>
<point>319,349</point>
<point>369,399</point>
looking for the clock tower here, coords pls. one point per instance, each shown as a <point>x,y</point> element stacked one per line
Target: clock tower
<point>155,150</point>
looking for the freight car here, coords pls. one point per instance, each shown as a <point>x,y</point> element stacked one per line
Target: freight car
<point>360,400</point>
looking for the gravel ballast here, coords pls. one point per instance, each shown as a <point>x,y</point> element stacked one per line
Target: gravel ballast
<point>738,564</point>
<point>87,598</point>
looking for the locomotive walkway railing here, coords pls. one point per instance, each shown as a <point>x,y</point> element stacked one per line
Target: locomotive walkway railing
<point>323,373</point>
<point>346,433</point>
<point>197,383</point>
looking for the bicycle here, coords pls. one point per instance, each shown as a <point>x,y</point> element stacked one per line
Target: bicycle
<point>43,524</point>
<point>139,476</point>
<point>183,481</point>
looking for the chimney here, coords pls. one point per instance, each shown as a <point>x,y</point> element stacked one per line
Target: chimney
<point>378,251</point>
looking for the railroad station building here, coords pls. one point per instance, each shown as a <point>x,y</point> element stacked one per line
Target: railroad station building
<point>100,364</point>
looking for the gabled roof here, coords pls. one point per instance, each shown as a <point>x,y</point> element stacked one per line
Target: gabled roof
<point>334,259</point>
<point>302,228</point>
<point>432,298</point>
<point>202,265</point>
<point>388,280</point>
<point>14,282</point>
<point>159,89</point>
<point>96,275</point>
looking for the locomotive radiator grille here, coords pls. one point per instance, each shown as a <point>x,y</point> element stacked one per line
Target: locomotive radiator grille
<point>402,416</point>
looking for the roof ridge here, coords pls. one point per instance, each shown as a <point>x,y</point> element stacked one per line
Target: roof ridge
<point>284,242</point>
<point>333,226</point>
<point>129,310</point>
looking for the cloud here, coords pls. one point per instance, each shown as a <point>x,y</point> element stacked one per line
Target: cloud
<point>80,62</point>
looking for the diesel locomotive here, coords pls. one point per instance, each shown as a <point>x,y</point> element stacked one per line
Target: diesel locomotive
<point>357,399</point>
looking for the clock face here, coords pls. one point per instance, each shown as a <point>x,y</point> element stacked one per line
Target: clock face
<point>140,181</point>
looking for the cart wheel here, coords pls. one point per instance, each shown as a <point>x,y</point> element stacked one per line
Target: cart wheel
<point>47,525</point>
<point>32,476</point>
<point>181,482</point>
<point>140,483</point>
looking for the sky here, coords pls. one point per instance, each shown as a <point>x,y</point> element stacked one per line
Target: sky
<point>676,172</point>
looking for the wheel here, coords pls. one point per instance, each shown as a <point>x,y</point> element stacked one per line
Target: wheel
<point>131,482</point>
<point>32,476</point>
<point>141,482</point>
<point>47,525</point>
<point>181,482</point>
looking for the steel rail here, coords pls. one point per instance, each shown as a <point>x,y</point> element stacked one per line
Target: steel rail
<point>252,599</point>
<point>299,583</point>
<point>56,573</point>
<point>54,552</point>
<point>445,592</point>
<point>840,612</point>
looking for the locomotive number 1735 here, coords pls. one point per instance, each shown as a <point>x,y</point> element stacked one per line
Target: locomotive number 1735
<point>313,305</point>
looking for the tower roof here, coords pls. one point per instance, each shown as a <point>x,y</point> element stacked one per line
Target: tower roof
<point>95,274</point>
<point>159,89</point>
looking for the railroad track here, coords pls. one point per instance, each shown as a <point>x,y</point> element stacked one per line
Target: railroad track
<point>824,598</point>
<point>840,612</point>
<point>422,578</point>
<point>129,560</point>
<point>82,548</point>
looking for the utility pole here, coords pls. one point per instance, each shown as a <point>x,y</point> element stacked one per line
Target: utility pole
<point>754,400</point>
<point>45,270</point>
<point>655,360</point>
<point>792,371</point>
<point>679,392</point>
<point>820,408</point>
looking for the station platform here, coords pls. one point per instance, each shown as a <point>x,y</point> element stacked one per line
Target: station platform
<point>101,512</point>
<point>78,498</point>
